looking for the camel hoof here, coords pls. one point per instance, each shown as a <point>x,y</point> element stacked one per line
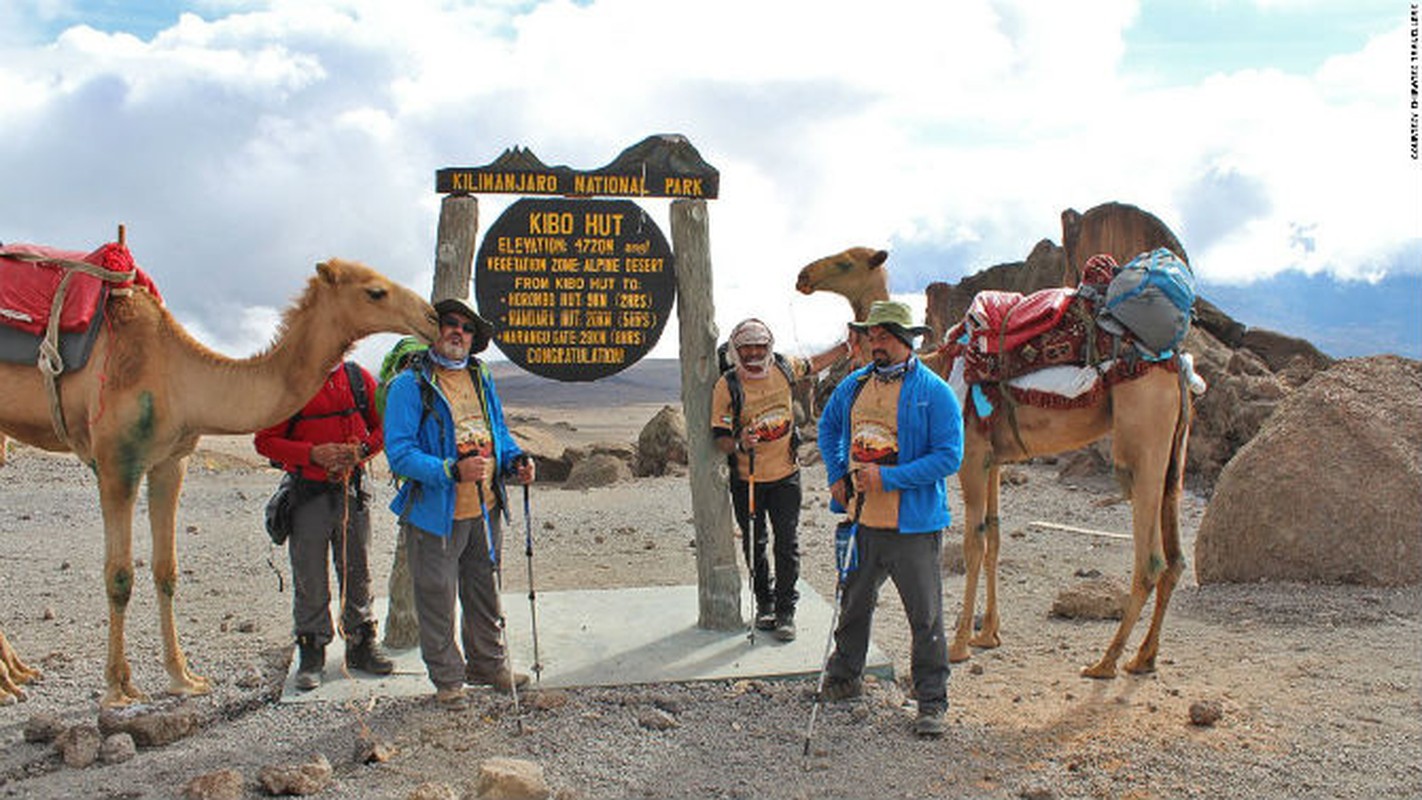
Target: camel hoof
<point>958,654</point>
<point>122,698</point>
<point>1141,667</point>
<point>194,685</point>
<point>1099,671</point>
<point>985,642</point>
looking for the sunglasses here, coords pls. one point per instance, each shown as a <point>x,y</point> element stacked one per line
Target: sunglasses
<point>453,322</point>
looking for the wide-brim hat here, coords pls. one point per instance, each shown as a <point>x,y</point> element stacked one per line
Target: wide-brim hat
<point>460,305</point>
<point>896,317</point>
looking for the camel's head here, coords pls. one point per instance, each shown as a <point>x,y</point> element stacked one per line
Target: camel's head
<point>855,274</point>
<point>367,302</point>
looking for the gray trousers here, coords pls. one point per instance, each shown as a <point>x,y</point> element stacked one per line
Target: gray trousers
<point>449,568</point>
<point>316,531</point>
<point>913,561</point>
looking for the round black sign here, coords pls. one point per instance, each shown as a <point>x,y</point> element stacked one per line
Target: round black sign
<point>577,289</point>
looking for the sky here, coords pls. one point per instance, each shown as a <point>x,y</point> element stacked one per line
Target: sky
<point>241,142</point>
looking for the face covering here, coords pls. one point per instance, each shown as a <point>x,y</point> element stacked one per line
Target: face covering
<point>752,332</point>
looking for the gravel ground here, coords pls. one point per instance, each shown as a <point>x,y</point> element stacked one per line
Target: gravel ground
<point>1318,686</point>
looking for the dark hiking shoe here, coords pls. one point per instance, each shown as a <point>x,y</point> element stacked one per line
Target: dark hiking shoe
<point>364,653</point>
<point>499,680</point>
<point>765,618</point>
<point>784,627</point>
<point>453,698</point>
<point>837,689</point>
<point>929,724</point>
<point>311,665</point>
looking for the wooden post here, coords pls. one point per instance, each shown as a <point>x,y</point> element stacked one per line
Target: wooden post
<point>454,264</point>
<point>718,576</point>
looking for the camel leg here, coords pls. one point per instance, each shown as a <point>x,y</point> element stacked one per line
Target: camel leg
<point>987,636</point>
<point>13,673</point>
<point>1141,444</point>
<point>973,483</point>
<point>1144,660</point>
<point>165,480</point>
<point>116,494</point>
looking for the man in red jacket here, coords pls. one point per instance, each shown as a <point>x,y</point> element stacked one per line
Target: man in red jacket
<point>323,448</point>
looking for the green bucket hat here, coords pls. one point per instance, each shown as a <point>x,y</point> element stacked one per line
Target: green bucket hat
<point>896,317</point>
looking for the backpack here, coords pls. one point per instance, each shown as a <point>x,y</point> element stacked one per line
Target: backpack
<point>738,399</point>
<point>393,364</point>
<point>1151,296</point>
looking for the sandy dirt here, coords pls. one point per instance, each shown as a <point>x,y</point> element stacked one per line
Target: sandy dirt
<point>1318,686</point>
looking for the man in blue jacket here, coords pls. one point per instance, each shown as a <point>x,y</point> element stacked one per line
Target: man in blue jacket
<point>892,432</point>
<point>445,436</point>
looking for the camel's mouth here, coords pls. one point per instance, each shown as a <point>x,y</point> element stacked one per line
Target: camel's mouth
<point>804,286</point>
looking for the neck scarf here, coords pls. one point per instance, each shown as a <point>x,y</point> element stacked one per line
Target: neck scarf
<point>448,363</point>
<point>890,373</point>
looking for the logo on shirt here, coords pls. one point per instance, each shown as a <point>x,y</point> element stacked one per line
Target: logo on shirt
<point>873,443</point>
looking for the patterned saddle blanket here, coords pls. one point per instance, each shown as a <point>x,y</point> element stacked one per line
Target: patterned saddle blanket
<point>30,276</point>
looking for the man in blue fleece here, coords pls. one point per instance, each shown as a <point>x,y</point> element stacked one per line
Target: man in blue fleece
<point>445,436</point>
<point>892,431</point>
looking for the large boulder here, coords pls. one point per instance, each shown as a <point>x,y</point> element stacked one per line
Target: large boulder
<point>662,443</point>
<point>1330,490</point>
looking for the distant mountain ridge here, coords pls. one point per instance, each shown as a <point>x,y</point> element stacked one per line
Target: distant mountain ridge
<point>651,380</point>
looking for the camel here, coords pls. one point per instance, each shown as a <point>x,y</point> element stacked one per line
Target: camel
<point>1148,420</point>
<point>145,396</point>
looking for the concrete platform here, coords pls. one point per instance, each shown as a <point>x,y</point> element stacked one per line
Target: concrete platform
<point>610,638</point>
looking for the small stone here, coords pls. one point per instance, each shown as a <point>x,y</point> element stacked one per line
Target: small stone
<point>976,669</point>
<point>1036,792</point>
<point>249,678</point>
<point>224,784</point>
<point>656,719</point>
<point>1205,713</point>
<point>546,699</point>
<point>79,745</point>
<point>371,752</point>
<point>117,749</point>
<point>43,727</point>
<point>47,614</point>
<point>299,779</point>
<point>432,790</point>
<point>510,779</point>
<point>247,626</point>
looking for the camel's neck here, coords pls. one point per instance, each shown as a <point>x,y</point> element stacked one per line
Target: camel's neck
<point>221,395</point>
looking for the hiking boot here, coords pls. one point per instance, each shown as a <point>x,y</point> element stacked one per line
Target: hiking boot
<point>499,680</point>
<point>929,724</point>
<point>764,618</point>
<point>837,689</point>
<point>784,629</point>
<point>452,698</point>
<point>364,653</point>
<point>311,665</point>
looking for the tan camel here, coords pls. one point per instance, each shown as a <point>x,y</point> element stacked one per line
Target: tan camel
<point>1148,420</point>
<point>149,390</point>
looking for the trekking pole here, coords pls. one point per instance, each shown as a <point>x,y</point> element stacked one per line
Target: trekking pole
<point>532,595</point>
<point>498,598</point>
<point>750,540</point>
<point>845,563</point>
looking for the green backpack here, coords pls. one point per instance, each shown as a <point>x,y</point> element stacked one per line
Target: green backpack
<point>395,362</point>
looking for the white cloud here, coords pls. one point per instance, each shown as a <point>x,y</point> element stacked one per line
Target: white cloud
<point>245,142</point>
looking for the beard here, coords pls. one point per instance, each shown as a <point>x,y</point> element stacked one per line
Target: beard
<point>452,348</point>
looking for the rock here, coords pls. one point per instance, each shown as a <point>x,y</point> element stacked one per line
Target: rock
<point>79,745</point>
<point>510,779</point>
<point>1099,598</point>
<point>249,678</point>
<point>1330,490</point>
<point>655,719</point>
<point>151,725</point>
<point>225,784</point>
<point>374,752</point>
<point>661,443</point>
<point>1205,713</point>
<point>297,779</point>
<point>546,699</point>
<point>1282,353</point>
<point>117,748</point>
<point>432,790</point>
<point>548,453</point>
<point>43,727</point>
<point>1036,791</point>
<point>596,471</point>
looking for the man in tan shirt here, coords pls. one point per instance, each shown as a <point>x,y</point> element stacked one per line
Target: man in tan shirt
<point>753,422</point>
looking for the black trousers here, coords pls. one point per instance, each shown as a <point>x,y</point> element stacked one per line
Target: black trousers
<point>780,502</point>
